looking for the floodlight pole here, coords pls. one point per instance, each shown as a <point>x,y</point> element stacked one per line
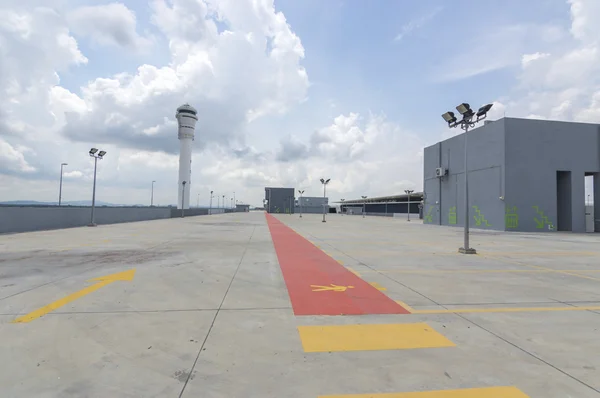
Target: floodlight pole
<point>152,195</point>
<point>210,206</point>
<point>182,198</point>
<point>408,192</point>
<point>466,249</point>
<point>60,186</point>
<point>300,192</point>
<point>324,182</point>
<point>364,205</point>
<point>342,207</point>
<point>467,121</point>
<point>92,223</point>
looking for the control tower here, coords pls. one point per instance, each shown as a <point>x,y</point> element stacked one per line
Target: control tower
<point>186,119</point>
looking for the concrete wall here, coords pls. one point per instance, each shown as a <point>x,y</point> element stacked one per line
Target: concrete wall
<point>38,218</point>
<point>281,200</point>
<point>444,197</point>
<point>535,151</point>
<point>32,218</point>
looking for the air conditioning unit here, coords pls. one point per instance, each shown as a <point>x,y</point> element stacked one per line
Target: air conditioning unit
<point>440,172</point>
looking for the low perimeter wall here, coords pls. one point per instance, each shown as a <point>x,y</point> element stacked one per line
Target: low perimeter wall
<point>39,218</point>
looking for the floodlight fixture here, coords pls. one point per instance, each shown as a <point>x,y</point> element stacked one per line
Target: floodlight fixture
<point>464,109</point>
<point>64,164</point>
<point>449,117</point>
<point>93,151</point>
<point>101,154</point>
<point>482,112</point>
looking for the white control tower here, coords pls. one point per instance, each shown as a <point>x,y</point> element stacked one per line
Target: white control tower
<point>186,119</point>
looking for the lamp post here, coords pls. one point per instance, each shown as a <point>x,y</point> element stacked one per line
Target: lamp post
<point>60,184</point>
<point>364,205</point>
<point>210,206</point>
<point>300,192</point>
<point>324,182</point>
<point>467,121</point>
<point>231,201</point>
<point>223,203</point>
<point>152,194</point>
<point>96,155</point>
<point>408,192</point>
<point>182,197</point>
<point>234,201</point>
<point>342,207</point>
<point>198,201</point>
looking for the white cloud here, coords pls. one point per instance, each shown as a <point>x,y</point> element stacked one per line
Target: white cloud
<point>109,25</point>
<point>73,174</point>
<point>497,49</point>
<point>11,159</point>
<point>417,23</point>
<point>562,84</point>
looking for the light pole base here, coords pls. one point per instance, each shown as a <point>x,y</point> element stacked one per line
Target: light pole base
<point>323,221</point>
<point>470,250</point>
<point>92,224</point>
<point>300,215</point>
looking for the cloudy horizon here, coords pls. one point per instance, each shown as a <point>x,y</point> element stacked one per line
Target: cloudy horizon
<point>287,92</point>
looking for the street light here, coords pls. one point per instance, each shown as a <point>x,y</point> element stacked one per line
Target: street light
<point>198,201</point>
<point>182,197</point>
<point>223,203</point>
<point>96,155</point>
<point>465,123</point>
<point>342,207</point>
<point>60,185</point>
<point>152,195</point>
<point>301,192</point>
<point>235,201</point>
<point>210,206</point>
<point>408,192</point>
<point>324,182</point>
<point>364,205</point>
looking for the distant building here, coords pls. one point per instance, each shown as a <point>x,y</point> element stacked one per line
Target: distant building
<point>279,200</point>
<point>384,205</point>
<point>241,208</point>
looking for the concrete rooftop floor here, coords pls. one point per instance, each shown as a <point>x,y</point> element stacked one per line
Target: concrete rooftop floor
<point>207,312</point>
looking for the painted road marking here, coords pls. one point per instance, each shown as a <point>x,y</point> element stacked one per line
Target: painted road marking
<point>377,286</point>
<point>401,336</point>
<point>100,282</point>
<point>353,271</point>
<point>332,287</point>
<point>303,264</point>
<point>489,392</point>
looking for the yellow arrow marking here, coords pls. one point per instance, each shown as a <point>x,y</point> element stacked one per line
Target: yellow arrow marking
<point>332,287</point>
<point>100,282</point>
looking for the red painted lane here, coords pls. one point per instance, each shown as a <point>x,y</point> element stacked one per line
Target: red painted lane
<point>303,265</point>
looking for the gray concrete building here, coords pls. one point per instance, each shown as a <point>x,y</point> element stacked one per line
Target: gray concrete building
<point>312,204</point>
<point>524,175</point>
<point>279,200</point>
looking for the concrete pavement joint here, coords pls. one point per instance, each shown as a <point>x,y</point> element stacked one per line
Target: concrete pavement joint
<point>527,352</point>
<point>217,313</point>
<point>541,268</point>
